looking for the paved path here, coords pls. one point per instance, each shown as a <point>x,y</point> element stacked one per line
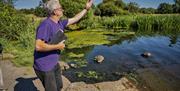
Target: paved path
<point>18,79</point>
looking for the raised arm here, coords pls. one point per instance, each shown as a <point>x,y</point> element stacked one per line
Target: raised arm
<point>78,16</point>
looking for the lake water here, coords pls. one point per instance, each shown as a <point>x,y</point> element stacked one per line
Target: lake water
<point>125,56</point>
<point>164,51</point>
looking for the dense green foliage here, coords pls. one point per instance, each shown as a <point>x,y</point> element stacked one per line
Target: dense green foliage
<point>132,7</point>
<point>110,8</point>
<point>27,11</point>
<point>165,8</point>
<point>71,9</point>
<point>118,7</point>
<point>107,8</point>
<point>161,23</point>
<point>142,22</point>
<point>116,22</point>
<point>40,11</point>
<point>147,10</point>
<point>11,22</point>
<point>17,34</point>
<point>176,6</point>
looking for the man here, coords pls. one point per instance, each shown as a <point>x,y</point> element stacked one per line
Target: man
<point>46,55</point>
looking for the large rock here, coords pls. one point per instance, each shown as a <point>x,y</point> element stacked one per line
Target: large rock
<point>20,82</point>
<point>99,58</point>
<point>146,54</point>
<point>66,83</point>
<point>81,86</point>
<point>121,85</point>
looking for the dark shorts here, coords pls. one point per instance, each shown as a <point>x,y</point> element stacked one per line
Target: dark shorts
<point>51,80</point>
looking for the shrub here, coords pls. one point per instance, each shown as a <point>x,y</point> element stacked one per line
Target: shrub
<point>11,23</point>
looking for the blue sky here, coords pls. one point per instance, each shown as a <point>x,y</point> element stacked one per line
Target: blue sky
<point>26,3</point>
<point>142,3</point>
<point>149,3</point>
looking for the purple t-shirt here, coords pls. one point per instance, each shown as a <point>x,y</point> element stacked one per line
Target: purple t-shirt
<point>45,61</point>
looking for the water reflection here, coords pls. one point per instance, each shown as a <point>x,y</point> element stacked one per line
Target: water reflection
<point>125,56</point>
<point>173,40</point>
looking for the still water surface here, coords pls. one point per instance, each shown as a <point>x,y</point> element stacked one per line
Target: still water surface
<point>126,56</point>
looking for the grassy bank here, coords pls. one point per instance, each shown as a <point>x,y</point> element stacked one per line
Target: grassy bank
<point>156,23</point>
<point>21,44</point>
<point>159,23</point>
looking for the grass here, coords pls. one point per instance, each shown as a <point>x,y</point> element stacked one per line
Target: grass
<point>23,47</point>
<point>159,23</point>
<point>150,22</point>
<point>117,22</point>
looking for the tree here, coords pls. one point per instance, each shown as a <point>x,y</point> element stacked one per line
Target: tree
<point>97,12</point>
<point>120,4</point>
<point>147,10</point>
<point>72,7</point>
<point>110,8</point>
<point>177,2</point>
<point>27,11</point>
<point>165,8</point>
<point>11,22</point>
<point>9,2</point>
<point>40,11</point>
<point>176,6</point>
<point>4,7</point>
<point>132,7</point>
<point>106,1</point>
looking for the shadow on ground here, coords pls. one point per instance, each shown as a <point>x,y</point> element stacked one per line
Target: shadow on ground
<point>25,84</point>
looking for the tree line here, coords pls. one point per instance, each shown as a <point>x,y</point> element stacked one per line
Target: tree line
<point>107,8</point>
<point>118,7</point>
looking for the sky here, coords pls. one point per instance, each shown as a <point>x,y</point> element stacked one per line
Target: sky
<point>142,3</point>
<point>149,3</point>
<point>19,4</point>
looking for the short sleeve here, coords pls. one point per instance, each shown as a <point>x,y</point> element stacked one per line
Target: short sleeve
<point>43,32</point>
<point>63,23</point>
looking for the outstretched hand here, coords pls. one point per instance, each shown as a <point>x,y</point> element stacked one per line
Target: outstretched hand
<point>89,4</point>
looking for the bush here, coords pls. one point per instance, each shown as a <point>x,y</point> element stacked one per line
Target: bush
<point>108,9</point>
<point>40,11</point>
<point>72,7</point>
<point>90,21</point>
<point>11,23</point>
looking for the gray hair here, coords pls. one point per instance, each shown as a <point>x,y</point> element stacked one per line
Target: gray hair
<point>51,5</point>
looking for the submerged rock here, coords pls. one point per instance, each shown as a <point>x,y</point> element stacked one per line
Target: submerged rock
<point>146,54</point>
<point>99,58</point>
<point>73,65</point>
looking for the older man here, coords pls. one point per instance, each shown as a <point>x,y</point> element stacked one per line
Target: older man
<point>46,55</point>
